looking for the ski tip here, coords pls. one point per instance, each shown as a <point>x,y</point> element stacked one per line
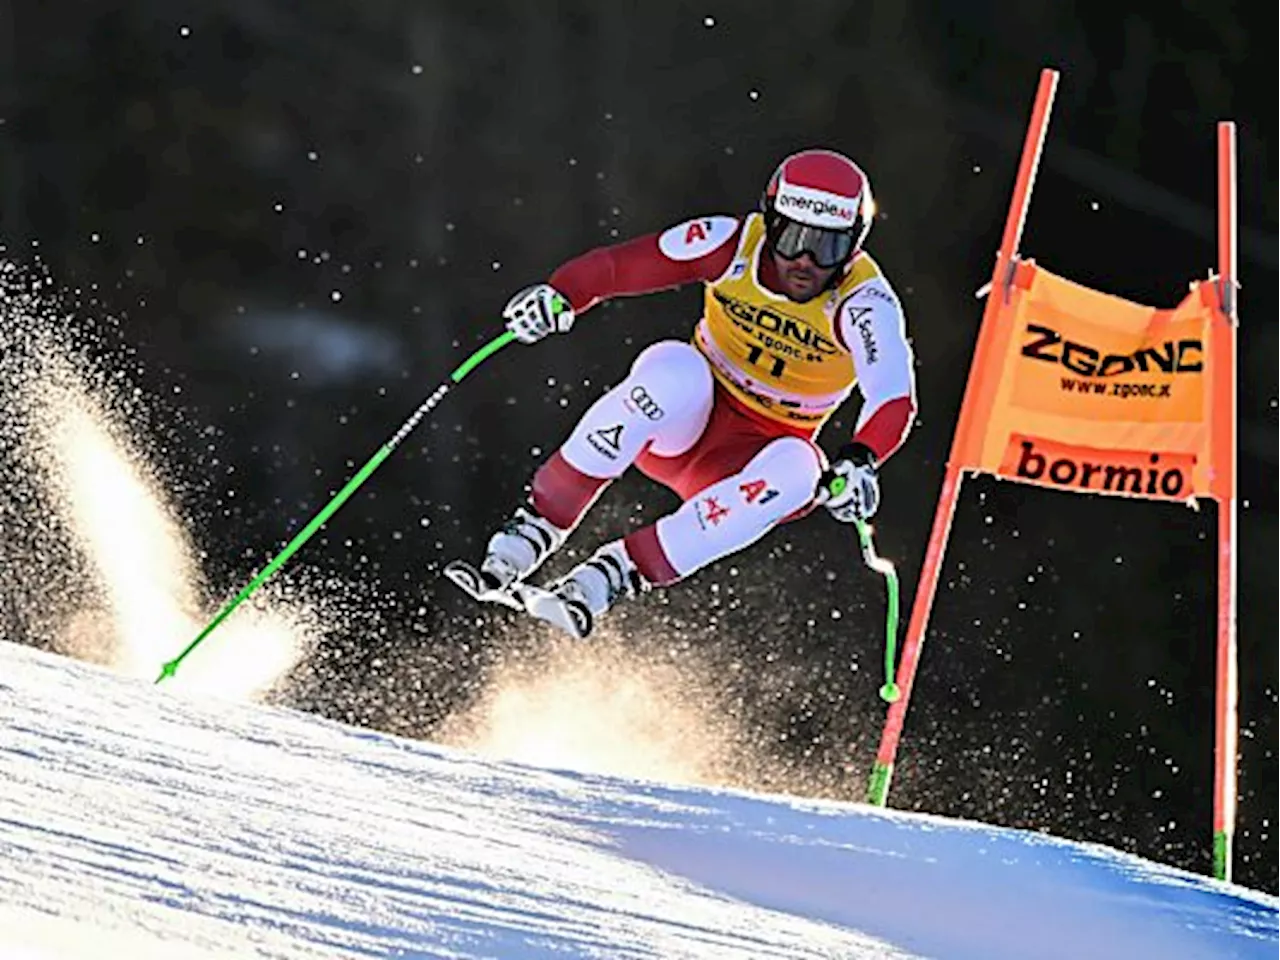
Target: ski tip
<point>465,576</point>
<point>570,616</point>
<point>477,585</point>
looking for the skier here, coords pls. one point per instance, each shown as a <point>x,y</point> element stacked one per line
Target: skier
<point>796,313</point>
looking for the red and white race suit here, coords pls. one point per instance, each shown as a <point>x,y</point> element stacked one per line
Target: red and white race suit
<point>728,420</point>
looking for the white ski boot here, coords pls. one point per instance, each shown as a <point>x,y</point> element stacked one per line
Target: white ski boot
<point>574,602</point>
<point>514,552</point>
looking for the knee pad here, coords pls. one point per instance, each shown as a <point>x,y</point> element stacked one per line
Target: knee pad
<point>738,510</point>
<point>663,405</point>
<point>672,374</point>
<point>791,465</point>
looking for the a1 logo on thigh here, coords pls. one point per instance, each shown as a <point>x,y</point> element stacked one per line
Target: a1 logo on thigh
<point>757,491</point>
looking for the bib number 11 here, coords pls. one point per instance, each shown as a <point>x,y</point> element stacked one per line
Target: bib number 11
<point>777,364</point>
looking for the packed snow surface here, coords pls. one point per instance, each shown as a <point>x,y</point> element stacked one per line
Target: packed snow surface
<point>136,822</point>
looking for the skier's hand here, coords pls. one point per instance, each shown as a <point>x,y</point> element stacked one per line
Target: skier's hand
<point>849,488</point>
<point>536,312</point>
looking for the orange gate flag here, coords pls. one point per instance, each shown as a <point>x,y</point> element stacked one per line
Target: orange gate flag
<point>1085,391</point>
<point>1075,389</point>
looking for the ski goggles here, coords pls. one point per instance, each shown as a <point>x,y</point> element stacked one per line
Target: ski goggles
<point>828,248</point>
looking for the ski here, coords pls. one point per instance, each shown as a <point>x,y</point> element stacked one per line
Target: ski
<point>479,585</point>
<point>571,616</point>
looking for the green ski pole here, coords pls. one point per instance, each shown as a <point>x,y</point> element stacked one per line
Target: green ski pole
<point>889,692</point>
<point>493,346</point>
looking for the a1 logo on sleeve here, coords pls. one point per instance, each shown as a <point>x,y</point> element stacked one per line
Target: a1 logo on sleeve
<point>696,238</point>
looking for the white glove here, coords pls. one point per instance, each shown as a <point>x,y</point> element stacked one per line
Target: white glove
<point>850,488</point>
<point>536,312</point>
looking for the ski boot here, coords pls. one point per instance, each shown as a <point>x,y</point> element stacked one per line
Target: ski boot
<point>515,551</point>
<point>574,602</point>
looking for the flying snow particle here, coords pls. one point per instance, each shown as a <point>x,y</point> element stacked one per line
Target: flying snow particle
<point>98,564</point>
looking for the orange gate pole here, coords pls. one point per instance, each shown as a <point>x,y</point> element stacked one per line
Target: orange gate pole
<point>1223,487</point>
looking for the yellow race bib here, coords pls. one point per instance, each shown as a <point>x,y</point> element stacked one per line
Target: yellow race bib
<point>777,357</point>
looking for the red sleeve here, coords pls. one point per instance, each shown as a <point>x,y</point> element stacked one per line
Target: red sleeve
<point>884,432</point>
<point>640,266</point>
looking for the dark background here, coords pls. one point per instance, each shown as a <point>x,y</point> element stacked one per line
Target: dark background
<point>304,215</point>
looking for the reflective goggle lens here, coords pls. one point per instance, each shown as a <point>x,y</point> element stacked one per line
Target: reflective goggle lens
<point>829,248</point>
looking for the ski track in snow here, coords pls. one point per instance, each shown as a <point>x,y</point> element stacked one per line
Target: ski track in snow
<point>135,823</point>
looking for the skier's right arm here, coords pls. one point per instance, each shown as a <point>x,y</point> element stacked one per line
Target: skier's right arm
<point>696,250</point>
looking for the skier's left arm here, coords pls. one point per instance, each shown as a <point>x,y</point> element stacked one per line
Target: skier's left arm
<point>872,327</point>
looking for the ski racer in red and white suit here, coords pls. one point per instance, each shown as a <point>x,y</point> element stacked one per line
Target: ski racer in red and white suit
<point>796,315</point>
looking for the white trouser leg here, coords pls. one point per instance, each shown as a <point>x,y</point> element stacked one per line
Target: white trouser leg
<point>737,511</point>
<point>664,401</point>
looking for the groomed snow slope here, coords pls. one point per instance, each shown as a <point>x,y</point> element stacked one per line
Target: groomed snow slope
<point>139,824</point>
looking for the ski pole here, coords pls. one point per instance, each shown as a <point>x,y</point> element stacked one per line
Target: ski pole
<point>889,692</point>
<point>381,454</point>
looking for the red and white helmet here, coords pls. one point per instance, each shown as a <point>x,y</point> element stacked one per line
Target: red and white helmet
<point>818,202</point>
